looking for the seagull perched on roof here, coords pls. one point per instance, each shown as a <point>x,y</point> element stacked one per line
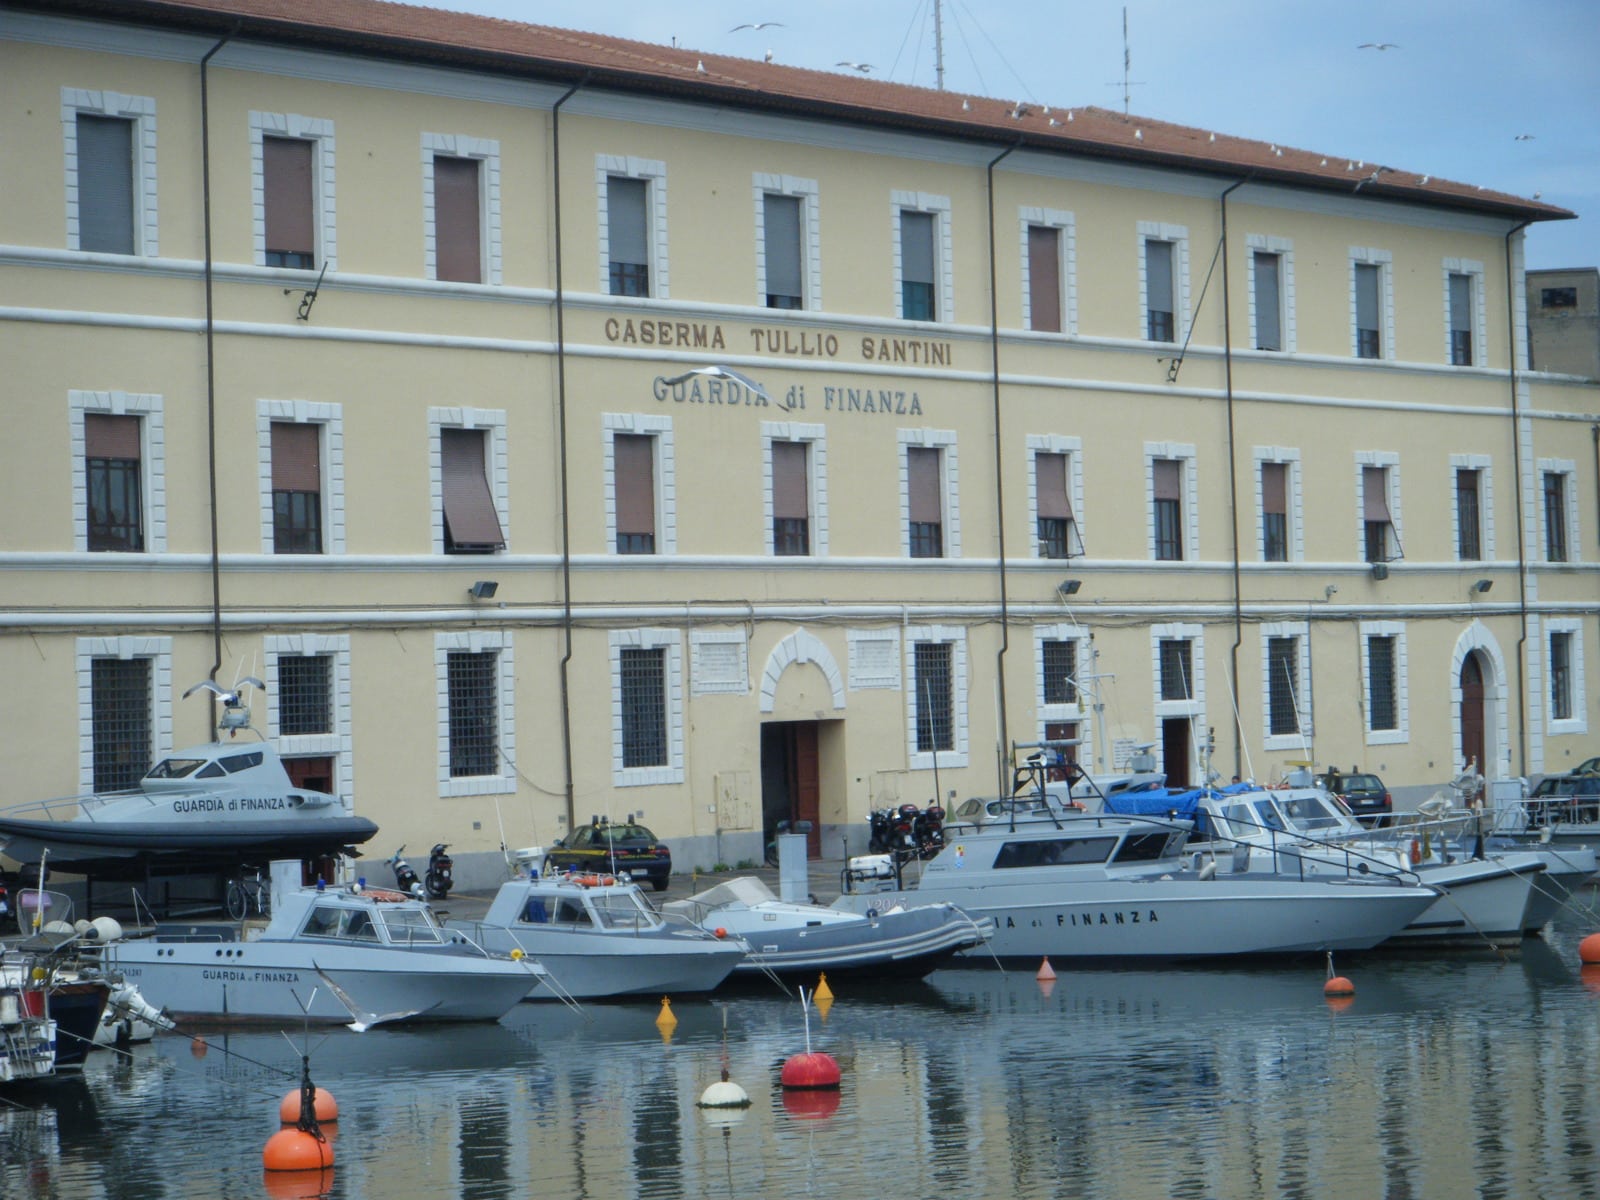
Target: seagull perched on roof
<point>1379,46</point>
<point>864,68</point>
<point>757,25</point>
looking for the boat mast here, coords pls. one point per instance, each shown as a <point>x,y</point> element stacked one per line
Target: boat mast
<point>938,45</point>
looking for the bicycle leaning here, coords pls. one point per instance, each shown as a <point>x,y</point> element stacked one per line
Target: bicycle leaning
<point>248,895</point>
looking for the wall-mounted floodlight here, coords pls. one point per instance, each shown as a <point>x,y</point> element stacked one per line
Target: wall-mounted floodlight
<point>1069,587</point>
<point>1329,592</point>
<point>484,589</point>
<point>1482,586</point>
<point>1380,571</point>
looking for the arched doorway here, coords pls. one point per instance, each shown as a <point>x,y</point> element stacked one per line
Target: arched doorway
<point>1472,703</point>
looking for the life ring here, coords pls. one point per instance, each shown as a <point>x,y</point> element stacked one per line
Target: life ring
<point>386,895</point>
<point>1073,804</point>
<point>587,880</point>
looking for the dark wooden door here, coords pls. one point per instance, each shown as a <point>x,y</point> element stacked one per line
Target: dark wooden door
<point>1175,750</point>
<point>1472,712</point>
<point>315,774</point>
<point>808,785</point>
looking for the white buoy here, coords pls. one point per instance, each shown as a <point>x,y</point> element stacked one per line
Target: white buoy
<point>724,1094</point>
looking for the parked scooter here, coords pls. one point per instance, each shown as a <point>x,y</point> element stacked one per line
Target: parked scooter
<point>404,877</point>
<point>880,830</point>
<point>440,878</point>
<point>927,831</point>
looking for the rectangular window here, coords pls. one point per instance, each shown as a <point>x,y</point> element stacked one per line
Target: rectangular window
<point>1460,319</point>
<point>106,210</point>
<point>296,488</point>
<point>1558,297</point>
<point>1275,511</point>
<point>122,722</point>
<point>1059,667</point>
<point>1469,520</point>
<point>457,219</point>
<point>1269,301</point>
<point>474,684</point>
<point>1058,531</point>
<point>644,706</point>
<point>627,224</point>
<point>924,471</point>
<point>918,276</point>
<point>1561,676</point>
<point>113,471</point>
<point>634,455</point>
<point>1369,309</point>
<point>305,694</point>
<point>782,216</point>
<point>1381,542</point>
<point>791,527</point>
<point>1555,516</point>
<point>1177,669</point>
<point>1383,707</point>
<point>1044,278</point>
<point>471,524</point>
<point>1159,295</point>
<point>289,197</point>
<point>935,697</point>
<point>1169,509</point>
<point>1283,685</point>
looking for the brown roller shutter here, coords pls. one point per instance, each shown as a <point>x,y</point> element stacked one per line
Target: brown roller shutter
<point>288,196</point>
<point>1168,479</point>
<point>1052,485</point>
<point>458,244</point>
<point>105,436</point>
<point>1375,495</point>
<point>1274,488</point>
<point>1044,278</point>
<point>922,477</point>
<point>789,480</point>
<point>296,461</point>
<point>468,507</point>
<point>634,457</point>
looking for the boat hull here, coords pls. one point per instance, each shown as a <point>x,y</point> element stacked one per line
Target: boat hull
<point>907,944</point>
<point>594,966</point>
<point>113,850</point>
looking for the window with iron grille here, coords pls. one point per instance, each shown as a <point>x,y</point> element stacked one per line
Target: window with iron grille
<point>121,721</point>
<point>474,682</point>
<point>934,699</point>
<point>1561,676</point>
<point>644,706</point>
<point>1177,669</point>
<point>1555,516</point>
<point>1383,707</point>
<point>1159,302</point>
<point>1060,669</point>
<point>1283,685</point>
<point>113,471</point>
<point>305,694</point>
<point>1469,528</point>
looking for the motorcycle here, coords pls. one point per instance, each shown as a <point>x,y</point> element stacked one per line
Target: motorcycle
<point>902,831</point>
<point>880,830</point>
<point>440,877</point>
<point>405,878</point>
<point>927,831</point>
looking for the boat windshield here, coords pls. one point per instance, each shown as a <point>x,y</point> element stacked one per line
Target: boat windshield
<point>334,921</point>
<point>622,910</point>
<point>174,768</point>
<point>1054,852</point>
<point>1310,813</point>
<point>411,926</point>
<point>241,762</point>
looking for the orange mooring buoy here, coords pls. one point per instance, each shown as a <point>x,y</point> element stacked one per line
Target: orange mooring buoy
<point>1338,985</point>
<point>297,1185</point>
<point>1589,949</point>
<point>324,1107</point>
<point>1046,971</point>
<point>296,1150</point>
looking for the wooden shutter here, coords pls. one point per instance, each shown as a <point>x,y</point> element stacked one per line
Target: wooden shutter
<point>782,229</point>
<point>458,243</point>
<point>789,481</point>
<point>296,461</point>
<point>916,247</point>
<point>1275,488</point>
<point>924,485</point>
<point>1168,479</point>
<point>288,195</point>
<point>1044,278</point>
<point>634,471</point>
<point>468,506</point>
<point>626,212</point>
<point>105,184</point>
<point>106,436</point>
<point>1050,472</point>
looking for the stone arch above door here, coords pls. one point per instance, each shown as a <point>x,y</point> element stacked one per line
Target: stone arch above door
<point>1476,637</point>
<point>800,647</point>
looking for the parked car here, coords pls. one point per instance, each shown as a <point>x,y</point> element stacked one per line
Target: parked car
<point>1589,766</point>
<point>1363,793</point>
<point>1565,800</point>
<point>602,848</point>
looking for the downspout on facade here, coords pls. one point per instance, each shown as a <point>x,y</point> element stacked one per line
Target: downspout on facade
<point>1001,749</point>
<point>1233,488</point>
<point>1522,546</point>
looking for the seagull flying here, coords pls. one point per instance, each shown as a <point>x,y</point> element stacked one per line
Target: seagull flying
<point>864,68</point>
<point>361,1020</point>
<point>721,372</point>
<point>758,25</point>
<point>1379,46</point>
<point>1524,137</point>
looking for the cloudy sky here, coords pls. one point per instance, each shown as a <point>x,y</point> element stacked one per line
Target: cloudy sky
<point>1502,93</point>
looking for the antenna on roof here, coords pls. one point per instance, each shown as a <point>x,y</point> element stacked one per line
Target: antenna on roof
<point>938,45</point>
<point>1127,64</point>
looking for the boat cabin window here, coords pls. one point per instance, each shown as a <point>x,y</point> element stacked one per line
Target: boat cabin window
<point>571,912</point>
<point>333,921</point>
<point>1143,847</point>
<point>210,771</point>
<point>537,912</point>
<point>410,926</point>
<point>1310,812</point>
<point>174,768</point>
<point>622,910</point>
<point>1054,852</point>
<point>241,762</point>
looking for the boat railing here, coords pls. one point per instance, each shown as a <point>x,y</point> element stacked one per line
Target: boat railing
<point>1302,848</point>
<point>60,809</point>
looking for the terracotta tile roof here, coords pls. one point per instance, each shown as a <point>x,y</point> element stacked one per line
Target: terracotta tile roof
<point>564,55</point>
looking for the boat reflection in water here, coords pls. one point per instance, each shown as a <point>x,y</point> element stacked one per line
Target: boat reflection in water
<point>1445,1077</point>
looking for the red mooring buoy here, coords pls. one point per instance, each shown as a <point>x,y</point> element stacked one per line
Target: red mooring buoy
<point>1338,985</point>
<point>1589,949</point>
<point>813,1070</point>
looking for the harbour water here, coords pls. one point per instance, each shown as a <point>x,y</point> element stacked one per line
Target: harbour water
<point>1446,1076</point>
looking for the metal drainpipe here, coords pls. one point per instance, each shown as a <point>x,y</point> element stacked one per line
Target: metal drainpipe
<point>1522,548</point>
<point>1233,485</point>
<point>561,411</point>
<point>1594,432</point>
<point>999,482</point>
<point>211,360</point>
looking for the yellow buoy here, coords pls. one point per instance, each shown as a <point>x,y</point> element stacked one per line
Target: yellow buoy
<point>664,1019</point>
<point>823,992</point>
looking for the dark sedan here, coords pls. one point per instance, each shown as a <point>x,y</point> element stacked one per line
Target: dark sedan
<point>606,849</point>
<point>1363,793</point>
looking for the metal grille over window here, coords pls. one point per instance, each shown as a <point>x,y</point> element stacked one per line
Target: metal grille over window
<point>289,196</point>
<point>112,471</point>
<point>105,184</point>
<point>1283,685</point>
<point>1044,278</point>
<point>296,488</point>
<point>1275,512</point>
<point>1369,341</point>
<point>1269,303</point>
<point>1058,532</point>
<point>917,274</point>
<point>934,701</point>
<point>1555,516</point>
<point>1382,539</point>
<point>1168,484</point>
<point>458,253</point>
<point>474,712</point>
<point>644,706</point>
<point>627,232</point>
<point>1468,521</point>
<point>1158,290</point>
<point>790,515</point>
<point>1177,669</point>
<point>633,470</point>
<point>1461,320</point>
<point>305,694</point>
<point>781,220</point>
<point>1382,703</point>
<point>927,512</point>
<point>471,525</point>
<point>1060,668</point>
<point>121,721</point>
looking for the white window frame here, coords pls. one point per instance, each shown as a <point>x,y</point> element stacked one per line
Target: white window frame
<point>1477,314</point>
<point>159,651</point>
<point>1568,468</point>
<point>152,461</point>
<point>654,172</point>
<point>763,184</point>
<point>1389,460</point>
<point>141,110</point>
<point>330,446</point>
<point>478,641</point>
<point>815,440</point>
<point>943,440</point>
<point>944,258</point>
<point>318,131</point>
<point>1284,248</point>
<point>1579,698</point>
<point>660,429</point>
<point>1384,260</point>
<point>487,152</point>
<point>863,672</point>
<point>956,637</point>
<point>1289,457</point>
<point>703,680</point>
<point>1185,453</point>
<point>1178,235</point>
<point>1072,448</point>
<point>496,460</point>
<point>1082,712</point>
<point>1301,632</point>
<point>1067,269</point>
<point>339,744</point>
<point>1402,733</point>
<point>1483,464</point>
<point>648,639</point>
<point>1195,706</point>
